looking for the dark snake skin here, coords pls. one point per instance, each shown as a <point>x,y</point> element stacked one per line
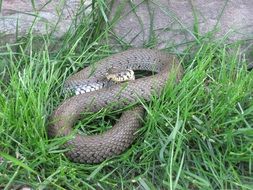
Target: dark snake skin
<point>97,148</point>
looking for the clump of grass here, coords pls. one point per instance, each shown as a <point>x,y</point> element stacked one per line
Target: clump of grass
<point>196,135</point>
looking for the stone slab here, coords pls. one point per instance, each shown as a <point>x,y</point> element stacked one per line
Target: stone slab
<point>176,22</point>
<point>17,17</point>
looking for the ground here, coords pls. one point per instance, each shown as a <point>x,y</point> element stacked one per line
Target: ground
<point>196,135</point>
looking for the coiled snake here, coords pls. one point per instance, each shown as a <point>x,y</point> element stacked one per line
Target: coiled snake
<point>97,148</point>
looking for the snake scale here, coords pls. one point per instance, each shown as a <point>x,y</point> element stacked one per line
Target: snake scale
<point>97,148</point>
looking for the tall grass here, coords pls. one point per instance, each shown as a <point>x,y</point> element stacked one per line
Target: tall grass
<point>196,135</point>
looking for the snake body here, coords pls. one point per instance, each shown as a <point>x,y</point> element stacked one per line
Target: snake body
<point>97,148</point>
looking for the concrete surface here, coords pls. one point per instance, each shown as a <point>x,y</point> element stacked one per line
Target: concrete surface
<point>171,22</point>
<point>18,16</point>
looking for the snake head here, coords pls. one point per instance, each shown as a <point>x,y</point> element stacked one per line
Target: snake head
<point>117,75</point>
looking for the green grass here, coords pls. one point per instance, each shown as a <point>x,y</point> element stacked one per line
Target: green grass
<point>196,135</point>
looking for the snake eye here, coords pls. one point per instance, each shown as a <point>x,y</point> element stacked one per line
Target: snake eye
<point>109,77</point>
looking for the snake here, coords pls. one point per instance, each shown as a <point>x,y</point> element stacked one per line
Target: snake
<point>94,91</point>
